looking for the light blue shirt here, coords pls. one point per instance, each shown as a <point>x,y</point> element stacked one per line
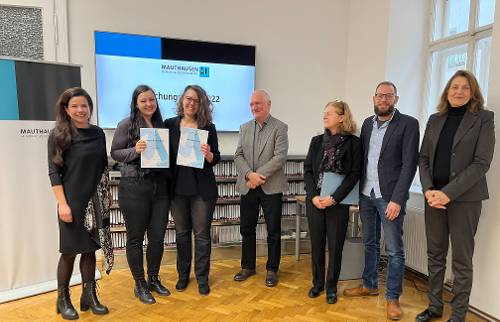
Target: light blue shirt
<point>376,139</point>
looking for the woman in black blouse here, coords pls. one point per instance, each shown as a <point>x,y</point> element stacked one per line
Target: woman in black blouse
<point>77,159</point>
<point>195,190</point>
<point>338,151</point>
<point>456,153</point>
<point>142,194</point>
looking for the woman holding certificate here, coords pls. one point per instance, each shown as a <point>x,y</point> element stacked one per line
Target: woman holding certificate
<point>194,188</point>
<point>337,150</point>
<point>142,194</point>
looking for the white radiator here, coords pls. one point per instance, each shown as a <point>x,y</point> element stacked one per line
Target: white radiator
<point>415,240</point>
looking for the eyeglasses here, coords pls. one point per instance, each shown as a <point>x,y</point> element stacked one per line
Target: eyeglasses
<point>388,96</point>
<point>189,99</point>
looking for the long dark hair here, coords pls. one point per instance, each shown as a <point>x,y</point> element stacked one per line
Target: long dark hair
<point>64,130</point>
<point>136,119</point>
<point>204,114</point>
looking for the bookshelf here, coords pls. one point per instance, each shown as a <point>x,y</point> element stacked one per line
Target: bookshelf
<point>225,224</point>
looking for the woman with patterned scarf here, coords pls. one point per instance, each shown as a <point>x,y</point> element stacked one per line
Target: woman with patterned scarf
<point>337,151</point>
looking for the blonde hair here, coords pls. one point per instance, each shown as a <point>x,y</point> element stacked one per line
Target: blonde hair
<point>348,124</point>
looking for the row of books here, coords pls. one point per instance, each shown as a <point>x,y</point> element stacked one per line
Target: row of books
<point>296,188</point>
<point>228,189</point>
<point>231,234</point>
<point>220,235</point>
<point>229,212</point>
<point>227,168</point>
<point>294,168</point>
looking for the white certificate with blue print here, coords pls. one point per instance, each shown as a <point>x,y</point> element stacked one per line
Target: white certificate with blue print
<point>156,153</point>
<point>189,154</point>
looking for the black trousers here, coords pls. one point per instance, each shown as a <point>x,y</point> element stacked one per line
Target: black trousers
<point>332,223</point>
<point>459,223</point>
<point>144,203</point>
<point>193,214</point>
<point>249,214</point>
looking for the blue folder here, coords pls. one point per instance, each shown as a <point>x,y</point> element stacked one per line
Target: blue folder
<point>331,181</point>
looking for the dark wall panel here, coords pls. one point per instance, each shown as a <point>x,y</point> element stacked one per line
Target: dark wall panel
<point>39,86</point>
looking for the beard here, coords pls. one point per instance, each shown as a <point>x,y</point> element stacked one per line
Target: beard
<point>386,113</point>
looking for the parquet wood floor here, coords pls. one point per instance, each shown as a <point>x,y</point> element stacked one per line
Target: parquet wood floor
<point>229,301</point>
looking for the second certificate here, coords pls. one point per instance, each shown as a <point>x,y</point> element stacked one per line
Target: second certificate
<point>190,142</point>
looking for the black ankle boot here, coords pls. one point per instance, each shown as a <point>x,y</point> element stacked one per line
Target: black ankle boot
<point>154,284</point>
<point>89,299</point>
<point>64,306</point>
<point>142,292</point>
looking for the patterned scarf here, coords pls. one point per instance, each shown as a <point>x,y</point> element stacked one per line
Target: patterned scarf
<point>97,219</point>
<point>332,158</point>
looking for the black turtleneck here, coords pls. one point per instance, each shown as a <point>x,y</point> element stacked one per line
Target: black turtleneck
<point>444,147</point>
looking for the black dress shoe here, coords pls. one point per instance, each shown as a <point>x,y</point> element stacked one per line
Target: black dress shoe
<point>271,279</point>
<point>314,292</point>
<point>331,298</point>
<point>427,315</point>
<point>142,292</point>
<point>244,274</point>
<point>154,284</point>
<point>203,289</point>
<point>182,285</point>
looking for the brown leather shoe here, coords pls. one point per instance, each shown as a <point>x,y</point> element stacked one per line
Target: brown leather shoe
<point>360,291</point>
<point>394,311</point>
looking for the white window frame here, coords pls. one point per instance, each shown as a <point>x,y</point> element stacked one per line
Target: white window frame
<point>470,38</point>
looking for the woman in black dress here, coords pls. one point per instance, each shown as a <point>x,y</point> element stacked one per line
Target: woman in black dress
<point>77,159</point>
<point>338,151</point>
<point>195,190</point>
<point>142,194</point>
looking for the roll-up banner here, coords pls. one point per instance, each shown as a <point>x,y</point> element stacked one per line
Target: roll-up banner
<point>29,238</point>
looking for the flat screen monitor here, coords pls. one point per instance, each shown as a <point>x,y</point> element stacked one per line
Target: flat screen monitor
<point>124,61</point>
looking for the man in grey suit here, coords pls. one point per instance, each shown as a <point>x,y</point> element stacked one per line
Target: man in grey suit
<point>389,142</point>
<point>260,157</point>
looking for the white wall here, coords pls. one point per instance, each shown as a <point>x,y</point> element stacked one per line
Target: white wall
<point>301,49</point>
<point>407,52</point>
<point>486,258</point>
<point>386,41</point>
<point>366,54</point>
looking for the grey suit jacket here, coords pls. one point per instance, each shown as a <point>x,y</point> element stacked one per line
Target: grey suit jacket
<point>272,154</point>
<point>472,152</point>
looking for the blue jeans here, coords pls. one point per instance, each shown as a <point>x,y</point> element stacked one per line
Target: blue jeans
<point>372,211</point>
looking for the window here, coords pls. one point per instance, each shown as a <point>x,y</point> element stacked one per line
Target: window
<point>461,39</point>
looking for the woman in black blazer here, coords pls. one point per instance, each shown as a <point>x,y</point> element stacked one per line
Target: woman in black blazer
<point>338,151</point>
<point>456,153</point>
<point>194,190</point>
